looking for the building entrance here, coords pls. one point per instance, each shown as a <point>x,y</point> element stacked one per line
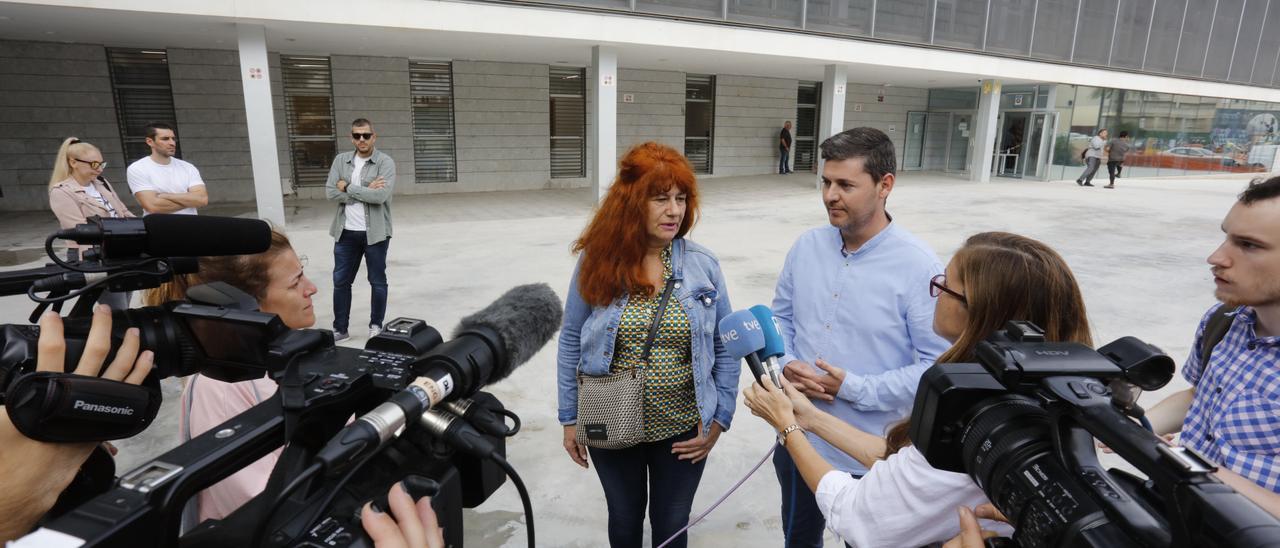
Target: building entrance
<point>937,141</point>
<point>1024,144</point>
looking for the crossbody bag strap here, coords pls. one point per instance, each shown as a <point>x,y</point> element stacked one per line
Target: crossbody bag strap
<point>657,321</point>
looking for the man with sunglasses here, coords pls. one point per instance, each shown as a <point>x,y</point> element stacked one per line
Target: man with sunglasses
<point>162,183</point>
<point>855,314</point>
<point>361,181</point>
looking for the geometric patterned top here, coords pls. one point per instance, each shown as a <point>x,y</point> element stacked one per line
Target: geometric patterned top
<point>670,405</point>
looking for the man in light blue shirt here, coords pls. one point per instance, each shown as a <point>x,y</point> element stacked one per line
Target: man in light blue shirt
<point>854,310</point>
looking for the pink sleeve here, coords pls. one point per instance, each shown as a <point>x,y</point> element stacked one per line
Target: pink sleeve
<point>212,403</point>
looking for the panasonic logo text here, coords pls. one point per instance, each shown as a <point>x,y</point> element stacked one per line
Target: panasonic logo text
<point>96,408</point>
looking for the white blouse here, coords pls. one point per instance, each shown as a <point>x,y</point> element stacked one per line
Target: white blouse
<point>902,501</point>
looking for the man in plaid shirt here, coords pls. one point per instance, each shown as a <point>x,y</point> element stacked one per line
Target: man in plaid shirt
<point>1231,415</point>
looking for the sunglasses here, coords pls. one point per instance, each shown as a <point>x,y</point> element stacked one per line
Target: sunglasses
<point>92,165</point>
<point>938,286</point>
<point>362,136</point>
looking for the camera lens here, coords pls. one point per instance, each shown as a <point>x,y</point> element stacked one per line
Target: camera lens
<point>1004,433</point>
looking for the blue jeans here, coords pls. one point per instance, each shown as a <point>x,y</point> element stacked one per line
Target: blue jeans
<point>347,251</point>
<point>802,521</point>
<point>784,160</point>
<point>647,474</point>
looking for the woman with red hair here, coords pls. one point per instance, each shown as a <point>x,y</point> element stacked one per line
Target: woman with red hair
<point>634,263</point>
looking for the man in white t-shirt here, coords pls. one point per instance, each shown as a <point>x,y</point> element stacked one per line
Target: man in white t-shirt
<point>162,183</point>
<point>361,182</point>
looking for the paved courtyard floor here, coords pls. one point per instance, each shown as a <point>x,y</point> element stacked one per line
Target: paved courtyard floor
<point>1139,253</point>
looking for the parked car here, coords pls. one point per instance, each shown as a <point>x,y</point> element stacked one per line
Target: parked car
<point>1189,158</point>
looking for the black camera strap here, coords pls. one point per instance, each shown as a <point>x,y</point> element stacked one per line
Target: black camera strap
<point>1214,331</point>
<point>64,407</point>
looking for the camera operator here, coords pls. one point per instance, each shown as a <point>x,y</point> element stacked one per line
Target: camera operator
<point>32,473</point>
<point>1231,414</point>
<point>277,280</point>
<point>994,278</point>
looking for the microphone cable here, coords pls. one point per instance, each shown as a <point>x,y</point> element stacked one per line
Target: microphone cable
<point>720,500</point>
<point>261,530</point>
<point>524,494</point>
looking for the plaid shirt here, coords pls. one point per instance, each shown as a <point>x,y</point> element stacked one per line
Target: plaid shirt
<point>1234,419</point>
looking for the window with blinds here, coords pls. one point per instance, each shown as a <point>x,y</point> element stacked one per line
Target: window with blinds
<point>699,120</point>
<point>308,102</point>
<point>806,126</point>
<point>434,150</point>
<point>568,122</point>
<point>140,83</point>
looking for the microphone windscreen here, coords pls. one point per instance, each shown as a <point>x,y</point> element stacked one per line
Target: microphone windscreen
<point>773,347</point>
<point>740,333</point>
<point>170,235</point>
<point>525,318</point>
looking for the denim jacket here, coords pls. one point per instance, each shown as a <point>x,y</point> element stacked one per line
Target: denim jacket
<point>587,336</point>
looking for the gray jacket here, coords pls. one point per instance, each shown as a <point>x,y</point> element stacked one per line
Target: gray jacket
<point>377,203</point>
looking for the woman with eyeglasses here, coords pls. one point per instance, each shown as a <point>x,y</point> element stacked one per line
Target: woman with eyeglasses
<point>78,191</point>
<point>994,278</point>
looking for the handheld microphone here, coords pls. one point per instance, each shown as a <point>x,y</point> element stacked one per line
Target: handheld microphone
<point>169,235</point>
<point>487,346</point>
<point>742,337</point>
<point>773,345</point>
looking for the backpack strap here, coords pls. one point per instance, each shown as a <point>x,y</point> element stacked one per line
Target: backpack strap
<point>1214,330</point>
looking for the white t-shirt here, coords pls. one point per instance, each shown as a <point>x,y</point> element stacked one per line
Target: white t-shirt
<point>175,178</point>
<point>355,210</point>
<point>902,501</point>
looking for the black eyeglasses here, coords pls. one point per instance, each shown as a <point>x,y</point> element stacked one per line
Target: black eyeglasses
<point>92,165</point>
<point>938,286</point>
<point>362,136</point>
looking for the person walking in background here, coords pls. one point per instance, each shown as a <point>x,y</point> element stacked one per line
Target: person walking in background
<point>635,260</point>
<point>361,181</point>
<point>162,183</point>
<point>1093,158</point>
<point>78,191</point>
<point>784,149</point>
<point>1116,150</point>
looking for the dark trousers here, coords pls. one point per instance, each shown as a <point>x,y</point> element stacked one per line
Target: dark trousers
<point>1091,167</point>
<point>347,251</point>
<point>647,474</point>
<point>1113,170</point>
<point>802,521</point>
<point>784,160</point>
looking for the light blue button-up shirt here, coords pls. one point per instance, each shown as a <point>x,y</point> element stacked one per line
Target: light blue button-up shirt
<point>868,312</point>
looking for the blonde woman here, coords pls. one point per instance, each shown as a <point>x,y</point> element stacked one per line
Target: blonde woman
<point>78,191</point>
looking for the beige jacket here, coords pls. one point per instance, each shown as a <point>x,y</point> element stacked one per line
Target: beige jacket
<point>72,205</point>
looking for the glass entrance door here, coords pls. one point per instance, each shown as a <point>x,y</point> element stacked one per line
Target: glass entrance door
<point>913,149</point>
<point>1039,145</point>
<point>961,126</point>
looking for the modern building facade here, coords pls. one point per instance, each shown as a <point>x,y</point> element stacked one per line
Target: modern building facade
<point>495,95</point>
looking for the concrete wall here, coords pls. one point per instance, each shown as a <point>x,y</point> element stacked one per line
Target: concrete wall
<point>376,88</point>
<point>658,111</point>
<point>501,119</point>
<point>49,92</point>
<point>889,116</point>
<point>208,101</point>
<point>750,111</point>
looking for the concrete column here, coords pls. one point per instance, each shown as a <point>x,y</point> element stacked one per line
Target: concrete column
<point>255,79</point>
<point>984,132</point>
<point>604,121</point>
<point>831,111</point>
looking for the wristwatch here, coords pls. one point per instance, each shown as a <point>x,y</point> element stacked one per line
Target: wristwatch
<point>782,434</point>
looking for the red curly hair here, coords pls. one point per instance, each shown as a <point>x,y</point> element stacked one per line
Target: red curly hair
<point>614,243</point>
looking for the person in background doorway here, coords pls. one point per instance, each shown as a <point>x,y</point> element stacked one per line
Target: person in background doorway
<point>784,149</point>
